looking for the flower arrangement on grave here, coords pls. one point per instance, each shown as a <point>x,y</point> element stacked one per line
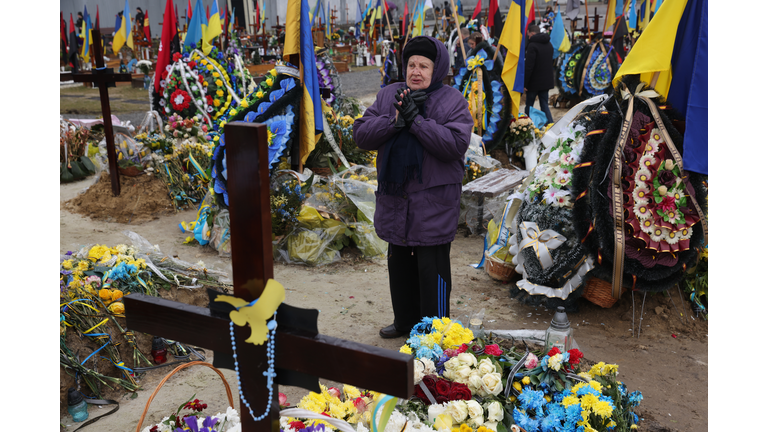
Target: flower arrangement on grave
<point>189,416</point>
<point>325,156</point>
<point>325,73</point>
<point>521,132</point>
<point>285,200</point>
<point>695,283</point>
<point>552,180</point>
<point>241,79</point>
<point>186,172</point>
<point>274,103</point>
<point>472,387</point>
<point>184,89</point>
<point>349,404</point>
<point>73,144</point>
<point>664,205</point>
<point>145,66</point>
<point>214,76</point>
<point>490,105</point>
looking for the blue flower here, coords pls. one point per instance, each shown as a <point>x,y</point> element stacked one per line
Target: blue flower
<point>525,422</point>
<point>531,399</point>
<point>588,390</point>
<point>263,107</point>
<point>275,95</point>
<point>635,397</point>
<point>550,423</point>
<point>287,84</point>
<point>250,117</point>
<point>543,363</point>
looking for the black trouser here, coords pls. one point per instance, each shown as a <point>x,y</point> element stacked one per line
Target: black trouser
<point>419,283</point>
<point>530,98</point>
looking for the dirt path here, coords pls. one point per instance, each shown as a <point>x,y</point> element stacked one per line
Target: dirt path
<point>667,363</point>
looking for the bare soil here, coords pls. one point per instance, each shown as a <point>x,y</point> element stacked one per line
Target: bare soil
<point>666,361</point>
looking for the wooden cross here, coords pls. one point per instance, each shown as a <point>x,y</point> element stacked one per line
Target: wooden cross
<point>369,367</point>
<point>102,77</point>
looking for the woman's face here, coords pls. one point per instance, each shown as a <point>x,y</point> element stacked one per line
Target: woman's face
<point>419,75</point>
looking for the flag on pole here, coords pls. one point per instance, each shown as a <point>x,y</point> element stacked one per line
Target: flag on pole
<point>313,14</point>
<point>477,10</point>
<point>406,19</point>
<point>213,29</point>
<point>189,12</point>
<point>169,43</point>
<point>460,12</point>
<point>298,40</point>
<point>513,38</point>
<point>97,18</point>
<point>196,25</point>
<point>86,32</point>
<point>375,14</point>
<point>258,17</point>
<point>63,37</point>
<point>658,5</point>
<point>632,18</point>
<point>559,38</point>
<point>494,19</point>
<point>675,46</point>
<point>72,44</point>
<point>530,14</point>
<point>610,16</point>
<point>124,35</point>
<point>418,20</point>
<point>207,12</point>
<point>147,31</point>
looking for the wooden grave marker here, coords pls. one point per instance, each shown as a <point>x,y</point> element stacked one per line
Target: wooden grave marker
<point>102,77</point>
<point>365,366</point>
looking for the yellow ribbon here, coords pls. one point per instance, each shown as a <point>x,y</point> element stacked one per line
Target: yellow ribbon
<point>97,325</point>
<point>540,241</point>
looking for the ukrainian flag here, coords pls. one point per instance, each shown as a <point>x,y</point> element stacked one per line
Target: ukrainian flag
<point>298,40</point>
<point>213,28</point>
<point>559,38</point>
<point>87,36</point>
<point>513,38</point>
<point>674,46</point>
<point>124,35</point>
<point>197,25</point>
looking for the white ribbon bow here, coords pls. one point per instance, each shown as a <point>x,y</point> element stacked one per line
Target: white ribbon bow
<point>541,242</point>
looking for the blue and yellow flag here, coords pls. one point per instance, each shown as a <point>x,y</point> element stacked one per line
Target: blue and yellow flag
<point>123,35</point>
<point>375,14</point>
<point>298,40</point>
<point>632,18</point>
<point>196,26</point>
<point>213,28</point>
<point>674,46</point>
<point>513,39</point>
<point>87,40</point>
<point>559,38</point>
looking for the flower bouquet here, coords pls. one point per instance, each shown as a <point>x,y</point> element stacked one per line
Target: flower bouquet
<point>196,421</point>
<point>73,144</point>
<point>521,132</point>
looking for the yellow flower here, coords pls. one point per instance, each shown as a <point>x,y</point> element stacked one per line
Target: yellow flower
<point>82,265</point>
<point>273,72</point>
<point>232,111</point>
<point>244,103</point>
<point>105,295</point>
<point>209,67</point>
<point>406,349</point>
<point>203,62</point>
<point>67,265</point>
<point>603,409</point>
<point>588,401</point>
<point>526,380</point>
<point>216,75</point>
<point>269,82</point>
<point>517,386</point>
<point>219,83</point>
<point>570,400</point>
<point>219,93</point>
<point>259,94</point>
<point>216,103</point>
<point>633,427</point>
<point>596,385</point>
<point>549,399</point>
<point>117,308</point>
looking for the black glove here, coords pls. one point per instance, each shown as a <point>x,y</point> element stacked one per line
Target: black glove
<point>418,97</point>
<point>407,108</point>
<point>399,123</point>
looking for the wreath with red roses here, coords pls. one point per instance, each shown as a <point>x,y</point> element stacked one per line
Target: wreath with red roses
<point>180,100</point>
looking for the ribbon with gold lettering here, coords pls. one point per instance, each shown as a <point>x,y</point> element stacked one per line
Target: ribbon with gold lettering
<point>540,241</point>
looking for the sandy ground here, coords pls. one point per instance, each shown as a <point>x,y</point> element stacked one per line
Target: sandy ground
<point>354,303</point>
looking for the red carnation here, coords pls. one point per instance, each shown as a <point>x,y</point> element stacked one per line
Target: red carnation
<point>209,99</point>
<point>553,351</point>
<point>192,64</point>
<point>200,79</point>
<point>180,100</point>
<point>164,75</point>
<point>463,348</point>
<point>575,356</point>
<point>176,57</point>
<point>459,391</point>
<point>493,350</point>
<point>297,425</point>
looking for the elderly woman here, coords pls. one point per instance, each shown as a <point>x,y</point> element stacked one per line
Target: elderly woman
<point>421,132</point>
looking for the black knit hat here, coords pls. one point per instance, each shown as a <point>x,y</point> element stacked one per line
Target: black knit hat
<point>420,46</point>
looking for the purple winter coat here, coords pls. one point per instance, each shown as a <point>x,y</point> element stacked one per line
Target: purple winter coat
<point>428,212</point>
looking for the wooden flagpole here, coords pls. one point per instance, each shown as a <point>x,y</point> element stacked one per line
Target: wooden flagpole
<point>586,21</point>
<point>458,30</point>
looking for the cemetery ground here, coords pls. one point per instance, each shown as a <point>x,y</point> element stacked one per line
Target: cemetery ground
<point>668,362</point>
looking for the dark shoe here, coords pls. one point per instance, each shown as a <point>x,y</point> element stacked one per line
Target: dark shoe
<point>390,332</point>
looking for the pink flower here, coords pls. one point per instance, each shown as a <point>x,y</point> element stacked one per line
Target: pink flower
<point>667,204</point>
<point>360,405</point>
<point>205,128</point>
<point>333,391</point>
<point>531,361</point>
<point>493,350</point>
<point>282,399</point>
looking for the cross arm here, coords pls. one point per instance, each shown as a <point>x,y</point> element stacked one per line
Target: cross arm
<point>320,355</point>
<point>96,77</point>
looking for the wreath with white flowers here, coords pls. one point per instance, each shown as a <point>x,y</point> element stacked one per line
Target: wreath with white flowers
<point>183,91</point>
<point>216,81</point>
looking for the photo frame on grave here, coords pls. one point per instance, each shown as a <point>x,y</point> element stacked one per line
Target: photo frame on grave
<point>289,318</point>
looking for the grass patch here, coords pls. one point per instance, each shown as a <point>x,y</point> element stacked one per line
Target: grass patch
<point>84,100</point>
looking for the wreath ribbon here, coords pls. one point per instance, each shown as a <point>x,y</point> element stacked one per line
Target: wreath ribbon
<point>540,241</point>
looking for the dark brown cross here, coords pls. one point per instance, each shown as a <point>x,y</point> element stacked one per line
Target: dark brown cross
<point>315,355</point>
<point>102,76</point>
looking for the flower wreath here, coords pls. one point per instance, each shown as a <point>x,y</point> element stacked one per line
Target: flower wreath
<point>491,93</point>
<point>242,80</point>
<point>570,71</point>
<point>325,74</point>
<point>216,80</point>
<point>662,225</point>
<point>274,103</point>
<point>601,69</point>
<point>183,90</point>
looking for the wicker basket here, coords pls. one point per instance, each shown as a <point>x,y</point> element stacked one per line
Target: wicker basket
<point>186,365</point>
<point>498,269</point>
<point>600,292</point>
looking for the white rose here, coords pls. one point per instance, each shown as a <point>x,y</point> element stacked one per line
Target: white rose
<point>492,383</point>
<point>467,359</point>
<point>452,364</point>
<point>435,410</point>
<point>491,425</point>
<point>486,366</point>
<point>475,382</point>
<point>422,367</point>
<point>475,422</point>
<point>495,412</point>
<point>464,372</point>
<point>474,410</point>
<point>458,410</point>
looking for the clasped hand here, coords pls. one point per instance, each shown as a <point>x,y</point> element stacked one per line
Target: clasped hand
<point>407,106</point>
